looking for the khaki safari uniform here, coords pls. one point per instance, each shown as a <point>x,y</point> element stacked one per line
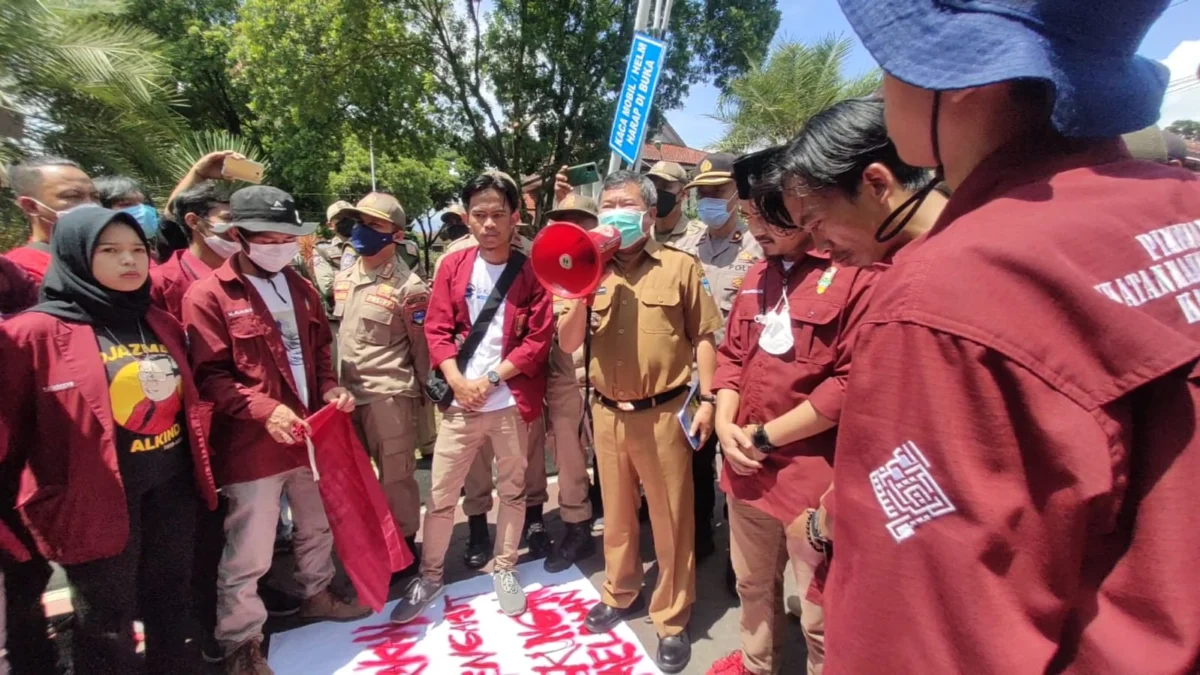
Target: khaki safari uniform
<point>726,262</point>
<point>684,235</point>
<point>647,318</point>
<point>384,364</point>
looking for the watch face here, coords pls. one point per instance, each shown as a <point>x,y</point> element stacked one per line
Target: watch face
<point>493,377</point>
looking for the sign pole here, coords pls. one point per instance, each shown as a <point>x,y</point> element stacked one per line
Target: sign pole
<point>641,20</point>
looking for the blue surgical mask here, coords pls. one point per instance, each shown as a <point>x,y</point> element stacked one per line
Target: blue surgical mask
<point>714,211</point>
<point>146,216</point>
<point>368,241</point>
<point>628,222</point>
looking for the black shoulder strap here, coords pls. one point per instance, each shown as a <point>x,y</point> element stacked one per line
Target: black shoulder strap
<point>516,260</point>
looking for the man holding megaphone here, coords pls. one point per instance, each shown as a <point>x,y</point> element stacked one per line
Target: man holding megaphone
<point>650,313</point>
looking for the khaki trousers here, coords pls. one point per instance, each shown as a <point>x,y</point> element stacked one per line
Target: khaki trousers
<point>459,441</point>
<point>387,430</point>
<point>250,544</point>
<point>564,410</point>
<point>812,615</point>
<point>647,447</point>
<point>758,547</point>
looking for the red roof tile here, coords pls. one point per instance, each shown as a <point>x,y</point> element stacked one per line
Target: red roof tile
<point>673,153</point>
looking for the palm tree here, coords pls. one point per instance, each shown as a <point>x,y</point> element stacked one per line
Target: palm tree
<point>771,102</point>
<point>86,85</point>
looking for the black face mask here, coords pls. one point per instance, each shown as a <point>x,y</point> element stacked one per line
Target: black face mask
<point>454,231</point>
<point>667,201</point>
<point>344,227</point>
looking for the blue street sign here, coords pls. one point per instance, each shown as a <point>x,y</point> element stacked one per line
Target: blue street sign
<point>637,93</point>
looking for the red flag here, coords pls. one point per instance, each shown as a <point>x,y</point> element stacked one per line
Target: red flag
<point>368,542</point>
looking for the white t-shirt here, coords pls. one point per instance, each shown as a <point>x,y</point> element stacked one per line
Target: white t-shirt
<point>278,297</point>
<point>487,356</point>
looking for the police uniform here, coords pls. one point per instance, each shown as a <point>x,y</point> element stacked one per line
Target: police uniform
<point>726,262</point>
<point>684,236</point>
<point>384,363</point>
<point>647,317</point>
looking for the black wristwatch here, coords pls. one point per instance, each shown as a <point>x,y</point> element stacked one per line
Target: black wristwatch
<point>494,378</point>
<point>707,398</point>
<point>760,440</point>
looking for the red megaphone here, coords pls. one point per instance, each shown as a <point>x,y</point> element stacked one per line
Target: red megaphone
<point>569,260</point>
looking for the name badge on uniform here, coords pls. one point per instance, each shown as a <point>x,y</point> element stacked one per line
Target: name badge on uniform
<point>826,280</point>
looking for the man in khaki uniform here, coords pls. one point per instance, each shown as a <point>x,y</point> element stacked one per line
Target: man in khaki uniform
<point>649,317</point>
<point>726,250</point>
<point>381,304</point>
<point>671,226</point>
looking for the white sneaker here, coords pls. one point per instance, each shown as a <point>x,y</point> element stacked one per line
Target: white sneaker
<point>509,592</point>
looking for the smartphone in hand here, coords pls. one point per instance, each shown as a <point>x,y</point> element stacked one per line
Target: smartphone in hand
<point>242,169</point>
<point>583,174</point>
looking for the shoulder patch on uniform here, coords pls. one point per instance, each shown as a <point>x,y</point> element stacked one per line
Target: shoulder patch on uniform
<point>705,284</point>
<point>908,493</point>
<point>418,317</point>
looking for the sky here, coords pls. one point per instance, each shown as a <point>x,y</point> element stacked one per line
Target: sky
<point>1175,39</point>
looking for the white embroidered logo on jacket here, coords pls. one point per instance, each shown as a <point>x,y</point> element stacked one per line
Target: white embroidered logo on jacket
<point>906,490</point>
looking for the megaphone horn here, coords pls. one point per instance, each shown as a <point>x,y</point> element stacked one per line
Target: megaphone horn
<point>569,261</point>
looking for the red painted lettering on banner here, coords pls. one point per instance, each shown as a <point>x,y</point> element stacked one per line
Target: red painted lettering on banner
<point>392,648</point>
<point>554,634</point>
<point>466,641</point>
<point>615,657</point>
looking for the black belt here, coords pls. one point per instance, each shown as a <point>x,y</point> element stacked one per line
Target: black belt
<point>643,404</point>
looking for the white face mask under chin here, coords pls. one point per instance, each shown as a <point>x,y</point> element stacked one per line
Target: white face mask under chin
<point>777,337</point>
<point>273,257</point>
<point>222,247</point>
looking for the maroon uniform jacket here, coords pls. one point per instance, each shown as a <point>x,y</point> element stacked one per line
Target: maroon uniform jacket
<point>825,309</point>
<point>56,423</point>
<point>528,326</point>
<point>1018,456</point>
<point>242,368</point>
<point>172,279</point>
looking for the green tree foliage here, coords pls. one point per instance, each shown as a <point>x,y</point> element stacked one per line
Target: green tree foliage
<point>319,70</point>
<point>196,37</point>
<point>1189,129</point>
<point>420,186</point>
<point>770,103</point>
<point>532,84</point>
<point>88,85</point>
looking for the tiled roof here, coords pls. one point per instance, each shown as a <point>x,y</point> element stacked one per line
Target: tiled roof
<point>673,153</point>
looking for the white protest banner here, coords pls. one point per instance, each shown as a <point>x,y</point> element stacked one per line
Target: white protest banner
<point>465,632</point>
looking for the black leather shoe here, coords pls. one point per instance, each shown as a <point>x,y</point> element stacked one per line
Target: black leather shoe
<point>479,546</point>
<point>602,618</point>
<point>577,545</point>
<point>537,539</point>
<point>674,653</point>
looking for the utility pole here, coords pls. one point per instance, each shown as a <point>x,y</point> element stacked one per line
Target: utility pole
<point>371,149</point>
<point>662,16</point>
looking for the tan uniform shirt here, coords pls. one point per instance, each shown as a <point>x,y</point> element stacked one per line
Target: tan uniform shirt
<point>726,262</point>
<point>646,322</point>
<point>382,336</point>
<point>685,231</point>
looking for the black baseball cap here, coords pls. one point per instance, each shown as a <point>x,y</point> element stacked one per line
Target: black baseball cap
<point>262,208</point>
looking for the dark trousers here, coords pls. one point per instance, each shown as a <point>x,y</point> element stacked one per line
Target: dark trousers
<point>153,573</point>
<point>29,647</point>
<point>210,542</point>
<point>704,481</point>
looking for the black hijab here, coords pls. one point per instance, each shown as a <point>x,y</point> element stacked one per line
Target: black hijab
<point>70,291</point>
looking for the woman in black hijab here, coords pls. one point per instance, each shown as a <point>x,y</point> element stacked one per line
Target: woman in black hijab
<point>106,430</point>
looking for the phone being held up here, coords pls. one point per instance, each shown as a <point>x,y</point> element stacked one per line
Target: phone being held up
<point>583,174</point>
<point>242,169</point>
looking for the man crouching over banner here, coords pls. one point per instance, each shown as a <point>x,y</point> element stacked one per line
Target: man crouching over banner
<point>780,386</point>
<point>649,316</point>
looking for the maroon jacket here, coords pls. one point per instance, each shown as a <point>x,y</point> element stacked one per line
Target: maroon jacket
<point>34,258</point>
<point>1018,456</point>
<point>242,368</point>
<point>18,288</point>
<point>528,326</point>
<point>171,280</point>
<point>56,425</point>
<point>824,321</point>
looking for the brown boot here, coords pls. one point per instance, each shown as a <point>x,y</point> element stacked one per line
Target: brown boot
<point>325,606</point>
<point>248,660</point>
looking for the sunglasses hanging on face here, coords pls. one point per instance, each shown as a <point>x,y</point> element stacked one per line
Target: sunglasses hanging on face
<point>755,168</point>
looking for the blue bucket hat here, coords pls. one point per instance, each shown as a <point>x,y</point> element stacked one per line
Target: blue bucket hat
<point>1086,49</point>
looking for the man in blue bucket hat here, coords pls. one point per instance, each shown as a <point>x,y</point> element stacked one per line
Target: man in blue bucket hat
<point>1017,461</point>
